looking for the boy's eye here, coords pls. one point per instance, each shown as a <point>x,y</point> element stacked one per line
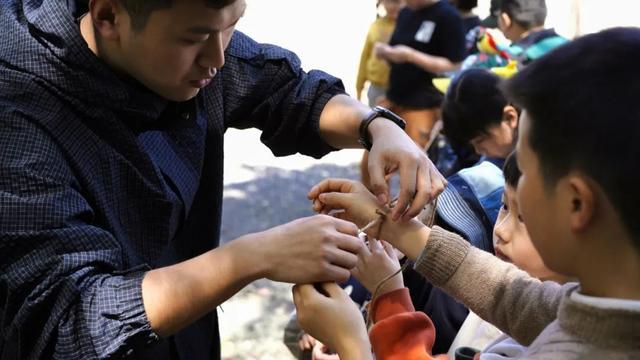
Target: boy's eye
<point>504,207</point>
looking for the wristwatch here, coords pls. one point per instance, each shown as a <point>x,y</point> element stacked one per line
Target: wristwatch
<point>377,112</point>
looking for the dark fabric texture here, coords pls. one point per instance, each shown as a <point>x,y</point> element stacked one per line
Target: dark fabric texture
<point>102,180</point>
<point>435,30</point>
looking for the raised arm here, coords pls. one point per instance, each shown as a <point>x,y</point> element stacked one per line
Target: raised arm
<point>308,112</point>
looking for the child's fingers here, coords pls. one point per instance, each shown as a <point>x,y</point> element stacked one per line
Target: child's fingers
<point>374,245</point>
<point>332,289</point>
<point>388,249</point>
<point>317,206</point>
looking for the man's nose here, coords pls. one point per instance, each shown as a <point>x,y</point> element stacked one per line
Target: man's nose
<point>212,55</point>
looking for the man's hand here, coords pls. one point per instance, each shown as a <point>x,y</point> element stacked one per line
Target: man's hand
<point>312,249</point>
<point>329,315</point>
<point>392,151</point>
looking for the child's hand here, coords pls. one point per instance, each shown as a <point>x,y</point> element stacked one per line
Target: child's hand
<point>375,263</point>
<point>351,196</point>
<point>306,342</point>
<point>322,352</point>
<point>332,318</point>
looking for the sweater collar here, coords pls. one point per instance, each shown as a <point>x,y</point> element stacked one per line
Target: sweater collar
<point>604,326</point>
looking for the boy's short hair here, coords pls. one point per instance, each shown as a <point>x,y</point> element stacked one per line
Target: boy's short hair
<point>474,102</point>
<point>582,102</point>
<point>511,171</point>
<point>140,10</point>
<point>526,13</point>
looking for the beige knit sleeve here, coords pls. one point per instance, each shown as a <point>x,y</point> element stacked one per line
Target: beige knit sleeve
<point>497,291</point>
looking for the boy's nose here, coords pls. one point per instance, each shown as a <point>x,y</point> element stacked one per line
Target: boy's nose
<point>501,229</point>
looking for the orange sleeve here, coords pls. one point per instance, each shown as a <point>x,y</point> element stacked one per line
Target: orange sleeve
<point>400,332</point>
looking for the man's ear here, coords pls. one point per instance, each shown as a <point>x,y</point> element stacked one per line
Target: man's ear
<point>583,202</point>
<point>105,18</point>
<point>510,115</point>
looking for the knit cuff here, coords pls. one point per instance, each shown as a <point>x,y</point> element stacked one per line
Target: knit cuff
<point>442,255</point>
<point>391,303</point>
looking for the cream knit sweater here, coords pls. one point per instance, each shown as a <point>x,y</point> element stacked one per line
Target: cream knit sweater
<point>541,315</point>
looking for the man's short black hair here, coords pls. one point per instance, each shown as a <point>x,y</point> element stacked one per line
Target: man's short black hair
<point>473,104</point>
<point>582,102</point>
<point>526,13</point>
<point>511,171</point>
<point>139,10</point>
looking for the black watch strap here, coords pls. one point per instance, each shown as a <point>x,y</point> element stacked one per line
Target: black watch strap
<point>377,112</point>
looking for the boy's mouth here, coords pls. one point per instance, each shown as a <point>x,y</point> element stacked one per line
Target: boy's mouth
<point>500,255</point>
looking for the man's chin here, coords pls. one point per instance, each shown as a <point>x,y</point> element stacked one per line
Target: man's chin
<point>181,96</point>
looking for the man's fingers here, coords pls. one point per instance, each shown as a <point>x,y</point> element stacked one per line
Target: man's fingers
<point>408,174</point>
<point>438,181</point>
<point>423,193</point>
<point>338,274</point>
<point>344,259</point>
<point>378,182</point>
<point>351,244</point>
<point>346,227</point>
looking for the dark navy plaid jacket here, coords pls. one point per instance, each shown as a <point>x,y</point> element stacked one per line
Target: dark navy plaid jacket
<point>101,180</point>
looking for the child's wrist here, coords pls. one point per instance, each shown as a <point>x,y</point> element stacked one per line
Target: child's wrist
<point>410,237</point>
<point>355,348</point>
<point>392,284</point>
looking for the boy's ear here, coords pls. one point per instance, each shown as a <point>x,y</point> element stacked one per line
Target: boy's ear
<point>582,196</point>
<point>506,20</point>
<point>105,15</point>
<point>510,115</point>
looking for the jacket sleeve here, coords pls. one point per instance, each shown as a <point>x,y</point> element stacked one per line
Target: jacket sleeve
<point>64,291</point>
<point>497,291</point>
<point>400,332</point>
<point>265,87</point>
